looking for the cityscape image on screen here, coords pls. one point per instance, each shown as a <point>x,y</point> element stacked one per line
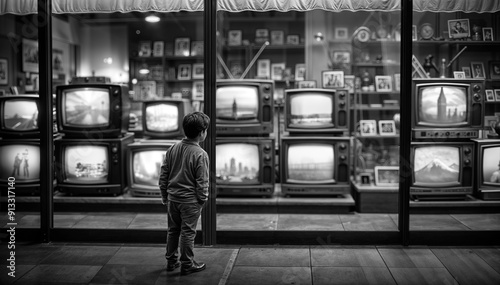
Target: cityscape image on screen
<point>21,115</point>
<point>311,162</point>
<point>491,164</point>
<point>162,118</point>
<point>86,164</point>
<point>437,164</point>
<point>311,110</point>
<point>146,166</point>
<point>237,163</point>
<point>443,105</point>
<point>86,108</point>
<point>237,103</point>
<point>21,161</point>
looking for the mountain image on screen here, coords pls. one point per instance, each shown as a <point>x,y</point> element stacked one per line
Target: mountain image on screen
<point>437,171</point>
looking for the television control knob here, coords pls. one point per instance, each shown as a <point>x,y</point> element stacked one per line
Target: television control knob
<point>476,88</point>
<point>267,158</point>
<point>467,150</point>
<point>342,94</point>
<point>467,162</point>
<point>477,97</point>
<point>117,108</point>
<point>114,149</point>
<point>342,157</point>
<point>116,92</point>
<point>342,104</point>
<point>343,146</point>
<point>267,148</point>
<point>267,97</point>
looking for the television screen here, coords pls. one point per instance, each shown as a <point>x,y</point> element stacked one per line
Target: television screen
<point>146,166</point>
<point>237,103</point>
<point>491,165</point>
<point>437,164</point>
<point>86,107</point>
<point>20,115</point>
<point>311,162</point>
<point>162,117</point>
<point>86,164</point>
<point>21,161</point>
<point>311,110</point>
<point>237,163</point>
<point>443,105</point>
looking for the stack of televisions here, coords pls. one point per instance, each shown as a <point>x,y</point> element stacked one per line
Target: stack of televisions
<point>450,159</point>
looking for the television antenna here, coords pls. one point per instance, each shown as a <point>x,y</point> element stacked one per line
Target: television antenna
<point>264,45</point>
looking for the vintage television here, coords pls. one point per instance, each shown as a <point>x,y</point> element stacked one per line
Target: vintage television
<point>442,169</point>
<point>314,110</point>
<point>447,108</point>
<point>163,118</point>
<point>21,161</point>
<point>19,116</point>
<point>245,166</point>
<point>488,169</point>
<point>92,167</point>
<point>315,165</point>
<point>244,107</point>
<point>92,110</point>
<point>144,160</point>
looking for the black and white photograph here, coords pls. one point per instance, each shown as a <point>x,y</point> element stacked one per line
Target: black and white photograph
<point>277,70</point>
<point>4,71</point>
<point>332,79</point>
<point>234,38</point>
<point>494,67</point>
<point>277,37</point>
<point>477,69</point>
<point>184,72</point>
<point>198,71</point>
<point>306,84</point>
<point>386,175</point>
<point>145,49</point>
<point>198,90</point>
<point>490,96</point>
<point>264,68</point>
<point>182,46</point>
<point>158,48</point>
<point>368,127</point>
<point>459,28</point>
<point>387,127</point>
<point>383,83</point>
<point>30,55</point>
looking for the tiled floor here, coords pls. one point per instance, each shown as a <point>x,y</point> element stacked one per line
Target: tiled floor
<point>140,264</point>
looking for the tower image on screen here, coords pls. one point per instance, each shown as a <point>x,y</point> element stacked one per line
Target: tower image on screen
<point>311,110</point>
<point>147,166</point>
<point>87,108</point>
<point>237,103</point>
<point>237,163</point>
<point>86,164</point>
<point>21,115</point>
<point>491,165</point>
<point>437,164</point>
<point>311,162</point>
<point>162,118</point>
<point>443,105</point>
<point>20,161</point>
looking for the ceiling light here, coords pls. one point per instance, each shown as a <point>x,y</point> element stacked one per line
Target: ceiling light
<point>152,19</point>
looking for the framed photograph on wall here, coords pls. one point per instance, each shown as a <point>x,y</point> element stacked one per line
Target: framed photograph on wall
<point>477,69</point>
<point>490,96</point>
<point>341,33</point>
<point>264,68</point>
<point>300,71</point>
<point>182,47</point>
<point>4,71</point>
<point>57,61</point>
<point>332,79</point>
<point>292,39</point>
<point>349,83</point>
<point>198,71</point>
<point>488,34</point>
<point>234,38</point>
<point>459,28</point>
<point>489,124</point>
<point>261,35</point>
<point>158,48</point>
<point>383,83</point>
<point>305,84</point>
<point>368,127</point>
<point>197,48</point>
<point>497,94</point>
<point>459,74</point>
<point>145,90</point>
<point>386,175</point>
<point>467,71</point>
<point>277,71</point>
<point>277,37</point>
<point>198,88</point>
<point>184,72</point>
<point>494,67</point>
<point>30,56</point>
<point>387,127</point>
<point>144,49</point>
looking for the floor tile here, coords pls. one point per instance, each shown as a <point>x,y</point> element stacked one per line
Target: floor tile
<point>67,220</point>
<point>338,275</point>
<point>29,221</point>
<point>106,221</point>
<point>60,274</point>
<point>368,222</point>
<point>149,221</point>
<point>30,254</point>
<point>378,275</point>
<point>82,255</point>
<point>269,275</point>
<point>19,272</point>
<point>273,257</point>
<point>490,255</point>
<point>435,223</point>
<point>349,257</point>
<point>292,222</point>
<point>409,258</point>
<point>482,222</point>
<point>140,255</point>
<point>258,222</point>
<point>128,274</point>
<point>422,276</point>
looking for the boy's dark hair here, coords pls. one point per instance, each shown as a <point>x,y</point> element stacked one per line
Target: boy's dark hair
<point>194,123</point>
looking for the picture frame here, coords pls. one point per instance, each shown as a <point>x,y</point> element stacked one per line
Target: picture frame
<point>365,178</point>
<point>177,95</point>
<point>144,49</point>
<point>300,71</point>
<point>264,68</point>
<point>383,83</point>
<point>277,37</point>
<point>397,82</point>
<point>458,74</point>
<point>261,35</point>
<point>341,33</point>
<point>198,71</point>
<point>488,34</point>
<point>349,83</point>
<point>490,95</point>
<point>57,61</point>
<point>197,48</point>
<point>497,94</point>
<point>198,90</point>
<point>234,37</point>
<point>467,71</point>
<point>4,71</point>
<point>277,70</point>
<point>458,28</point>
<point>386,175</point>
<point>144,90</point>
<point>414,33</point>
<point>35,81</point>
<point>196,106</point>
<point>30,55</point>
<point>184,72</point>
<point>2,92</point>
<point>292,40</point>
<point>494,68</point>
<point>341,60</point>
<point>305,84</point>
<point>368,127</point>
<point>182,46</point>
<point>477,69</point>
<point>158,48</point>
<point>387,127</point>
<point>332,79</point>
<point>489,123</point>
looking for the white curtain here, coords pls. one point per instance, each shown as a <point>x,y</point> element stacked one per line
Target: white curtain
<point>21,7</point>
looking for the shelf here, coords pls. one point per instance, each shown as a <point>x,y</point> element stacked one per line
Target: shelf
<point>448,42</point>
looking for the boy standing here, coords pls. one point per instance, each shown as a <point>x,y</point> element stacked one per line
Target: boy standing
<point>184,189</point>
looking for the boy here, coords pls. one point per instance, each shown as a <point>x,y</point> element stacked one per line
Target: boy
<point>184,189</point>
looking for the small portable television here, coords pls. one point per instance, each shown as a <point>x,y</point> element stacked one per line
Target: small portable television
<point>244,107</point>
<point>162,119</point>
<point>20,164</point>
<point>447,108</point>
<point>488,169</point>
<point>144,160</point>
<point>92,110</point>
<point>442,169</point>
<point>315,165</point>
<point>19,116</point>
<point>315,110</point>
<point>92,167</point>
<point>245,167</point>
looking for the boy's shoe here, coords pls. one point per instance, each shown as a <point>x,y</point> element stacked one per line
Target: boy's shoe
<point>173,266</point>
<point>196,267</point>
